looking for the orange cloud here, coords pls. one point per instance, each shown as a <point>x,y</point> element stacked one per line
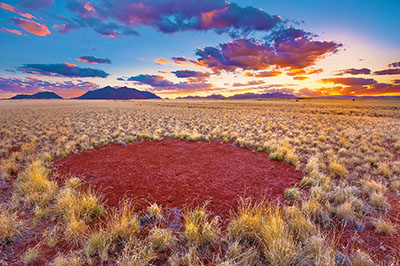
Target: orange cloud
<point>17,32</point>
<point>16,11</point>
<point>32,26</point>
<point>263,74</point>
<point>70,65</point>
<point>162,61</point>
<point>300,78</point>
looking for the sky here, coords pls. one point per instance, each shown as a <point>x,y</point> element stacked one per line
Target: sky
<point>306,48</point>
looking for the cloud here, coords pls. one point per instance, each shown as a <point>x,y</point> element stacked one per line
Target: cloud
<point>355,90</point>
<point>354,71</point>
<point>62,70</point>
<point>152,80</point>
<point>396,81</point>
<point>349,81</point>
<point>263,74</point>
<point>300,78</point>
<point>180,60</point>
<point>105,29</point>
<point>390,71</point>
<point>306,92</point>
<point>10,86</point>
<point>160,84</point>
<point>17,32</point>
<point>251,55</point>
<point>249,83</point>
<point>190,74</point>
<point>93,60</point>
<point>170,16</point>
<point>31,26</point>
<point>161,61</point>
<point>394,64</point>
<point>36,4</point>
<point>16,11</point>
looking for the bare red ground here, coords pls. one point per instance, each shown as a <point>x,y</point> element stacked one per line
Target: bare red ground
<point>178,174</point>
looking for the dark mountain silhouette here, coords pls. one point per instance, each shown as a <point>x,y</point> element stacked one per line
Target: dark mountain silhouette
<point>212,96</point>
<point>123,93</point>
<point>243,96</point>
<point>262,95</point>
<point>39,95</point>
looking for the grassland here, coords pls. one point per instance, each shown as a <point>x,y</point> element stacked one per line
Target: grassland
<point>348,150</point>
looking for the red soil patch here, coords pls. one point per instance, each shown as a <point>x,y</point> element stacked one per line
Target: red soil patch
<point>179,174</point>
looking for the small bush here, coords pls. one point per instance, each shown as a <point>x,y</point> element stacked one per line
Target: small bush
<point>198,228</point>
<point>292,193</point>
<point>31,255</point>
<point>161,239</point>
<point>246,225</point>
<point>383,226</point>
<point>155,211</point>
<point>123,224</point>
<point>11,226</point>
<point>346,212</point>
<point>337,169</point>
<point>72,259</point>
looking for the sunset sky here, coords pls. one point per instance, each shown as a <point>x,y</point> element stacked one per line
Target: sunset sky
<point>193,47</point>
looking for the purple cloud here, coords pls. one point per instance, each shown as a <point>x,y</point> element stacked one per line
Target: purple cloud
<point>160,84</point>
<point>170,16</point>
<point>390,71</point>
<point>93,60</point>
<point>248,54</point>
<point>354,71</point>
<point>9,86</point>
<point>62,70</point>
<point>350,81</point>
<point>394,64</point>
<point>190,74</point>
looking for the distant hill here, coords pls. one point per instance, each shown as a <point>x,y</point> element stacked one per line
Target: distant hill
<point>262,95</point>
<point>360,97</point>
<point>212,96</point>
<point>39,95</point>
<point>123,93</point>
<point>243,96</point>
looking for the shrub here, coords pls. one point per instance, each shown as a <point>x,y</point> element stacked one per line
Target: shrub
<point>278,245</point>
<point>35,186</point>
<point>31,255</point>
<point>75,230</point>
<point>98,243</point>
<point>246,225</point>
<point>292,193</point>
<point>161,239</point>
<point>155,211</point>
<point>383,226</point>
<point>136,253</point>
<point>123,224</point>
<point>337,169</point>
<point>198,227</point>
<point>11,226</point>
<point>72,259</point>
<point>85,205</point>
<point>346,212</point>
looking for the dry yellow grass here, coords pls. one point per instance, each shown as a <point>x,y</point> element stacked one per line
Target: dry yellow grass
<point>346,149</point>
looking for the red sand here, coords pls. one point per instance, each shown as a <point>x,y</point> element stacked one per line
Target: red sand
<point>178,174</point>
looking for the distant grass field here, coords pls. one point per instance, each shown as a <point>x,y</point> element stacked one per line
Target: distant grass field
<point>345,211</point>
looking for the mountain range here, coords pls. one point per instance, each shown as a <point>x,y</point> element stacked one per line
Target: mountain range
<point>39,95</point>
<point>243,96</point>
<point>123,93</point>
